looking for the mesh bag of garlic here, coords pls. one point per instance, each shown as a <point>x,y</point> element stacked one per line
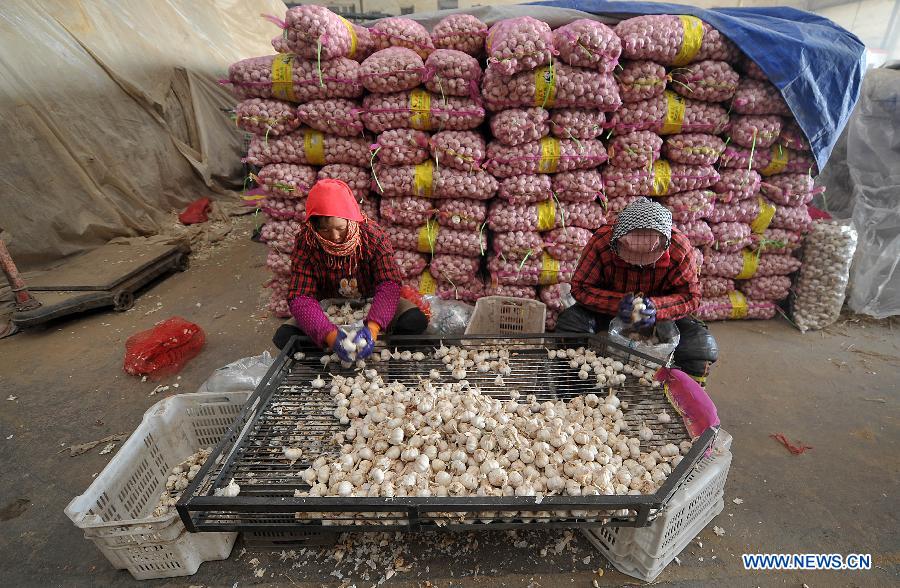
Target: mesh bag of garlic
<point>822,284</point>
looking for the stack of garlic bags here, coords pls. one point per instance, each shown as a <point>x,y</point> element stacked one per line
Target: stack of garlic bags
<point>302,106</point>
<point>765,186</point>
<point>433,190</point>
<point>676,142</point>
<point>674,80</point>
<point>548,115</point>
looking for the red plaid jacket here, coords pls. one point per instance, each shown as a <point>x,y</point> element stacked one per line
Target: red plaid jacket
<point>311,276</point>
<point>602,278</point>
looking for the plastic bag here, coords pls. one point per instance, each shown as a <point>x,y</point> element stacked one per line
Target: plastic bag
<point>448,317</point>
<point>669,337</point>
<point>822,284</point>
<point>243,374</point>
<point>164,349</point>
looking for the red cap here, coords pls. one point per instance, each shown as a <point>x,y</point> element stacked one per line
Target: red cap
<point>330,197</point>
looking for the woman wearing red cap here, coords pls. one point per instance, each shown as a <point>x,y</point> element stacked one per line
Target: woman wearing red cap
<point>341,253</point>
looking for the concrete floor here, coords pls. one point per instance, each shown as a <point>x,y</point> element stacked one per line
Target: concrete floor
<point>835,390</point>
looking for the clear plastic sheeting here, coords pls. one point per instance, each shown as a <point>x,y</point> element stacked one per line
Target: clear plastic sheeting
<point>112,115</point>
<point>662,346</point>
<point>863,185</point>
<point>822,285</point>
<point>243,374</point>
<point>448,317</point>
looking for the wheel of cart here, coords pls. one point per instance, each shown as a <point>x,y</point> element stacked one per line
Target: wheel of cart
<point>123,300</point>
<point>182,263</point>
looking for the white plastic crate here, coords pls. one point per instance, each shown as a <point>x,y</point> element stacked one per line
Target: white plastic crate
<point>501,315</point>
<point>645,552</point>
<point>115,512</point>
<point>644,567</point>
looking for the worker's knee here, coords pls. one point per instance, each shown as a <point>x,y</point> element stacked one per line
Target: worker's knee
<point>576,319</point>
<point>284,334</point>
<point>696,369</point>
<point>411,322</point>
<point>697,346</point>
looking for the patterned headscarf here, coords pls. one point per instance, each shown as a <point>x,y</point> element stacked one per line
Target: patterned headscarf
<point>343,256</point>
<point>642,232</point>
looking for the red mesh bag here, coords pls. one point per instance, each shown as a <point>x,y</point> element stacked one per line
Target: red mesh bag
<point>164,349</point>
<point>413,296</point>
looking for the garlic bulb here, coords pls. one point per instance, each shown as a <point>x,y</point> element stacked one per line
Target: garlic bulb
<point>645,433</point>
<point>292,454</point>
<point>664,417</point>
<point>230,491</point>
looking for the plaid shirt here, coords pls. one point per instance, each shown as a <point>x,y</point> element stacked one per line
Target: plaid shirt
<point>602,278</point>
<point>311,276</point>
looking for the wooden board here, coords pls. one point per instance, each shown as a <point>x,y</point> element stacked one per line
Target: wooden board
<point>55,305</point>
<point>103,268</point>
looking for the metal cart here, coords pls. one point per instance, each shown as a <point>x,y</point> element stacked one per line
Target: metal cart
<point>285,404</point>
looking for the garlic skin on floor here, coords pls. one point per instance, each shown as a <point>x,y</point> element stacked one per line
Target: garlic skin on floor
<point>444,436</point>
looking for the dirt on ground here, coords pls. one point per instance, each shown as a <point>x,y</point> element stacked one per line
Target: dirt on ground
<point>836,390</point>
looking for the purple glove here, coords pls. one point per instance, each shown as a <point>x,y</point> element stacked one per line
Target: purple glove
<point>339,348</point>
<point>648,316</point>
<point>364,335</point>
<point>625,308</point>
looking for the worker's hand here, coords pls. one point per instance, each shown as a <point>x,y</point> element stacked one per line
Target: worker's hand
<point>648,316</point>
<point>365,341</point>
<point>625,308</point>
<point>341,345</point>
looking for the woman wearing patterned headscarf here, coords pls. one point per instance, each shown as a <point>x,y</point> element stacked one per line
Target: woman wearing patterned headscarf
<point>642,254</point>
<point>340,252</point>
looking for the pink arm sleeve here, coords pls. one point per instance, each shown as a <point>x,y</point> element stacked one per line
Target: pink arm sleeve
<point>384,304</point>
<point>311,319</point>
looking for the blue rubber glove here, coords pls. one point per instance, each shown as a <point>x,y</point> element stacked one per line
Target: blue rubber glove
<point>625,308</point>
<point>364,335</point>
<point>338,348</point>
<point>648,316</point>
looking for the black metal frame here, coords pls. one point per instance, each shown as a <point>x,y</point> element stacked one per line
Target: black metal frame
<point>201,511</point>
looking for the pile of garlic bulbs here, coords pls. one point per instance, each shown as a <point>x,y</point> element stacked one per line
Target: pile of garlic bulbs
<point>446,437</point>
<point>345,314</point>
<point>181,476</point>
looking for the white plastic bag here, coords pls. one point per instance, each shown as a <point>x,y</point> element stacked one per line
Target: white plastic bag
<point>619,333</point>
<point>448,317</point>
<point>243,374</point>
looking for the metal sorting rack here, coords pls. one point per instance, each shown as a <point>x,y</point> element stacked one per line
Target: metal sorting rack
<point>286,410</point>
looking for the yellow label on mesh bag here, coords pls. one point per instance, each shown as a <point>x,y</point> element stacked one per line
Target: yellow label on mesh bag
<point>738,304</point>
<point>765,216</point>
<point>420,110</point>
<point>428,237</point>
<point>424,178</point>
<point>352,32</point>
<point>674,114</point>
<point>751,263</point>
<point>546,213</point>
<point>549,270</point>
<point>283,77</point>
<point>778,163</point>
<point>662,178</point>
<point>693,39</point>
<point>545,86</point>
<point>314,147</point>
<point>549,155</point>
<point>427,285</point>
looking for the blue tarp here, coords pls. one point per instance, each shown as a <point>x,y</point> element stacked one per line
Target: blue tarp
<point>817,65</point>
